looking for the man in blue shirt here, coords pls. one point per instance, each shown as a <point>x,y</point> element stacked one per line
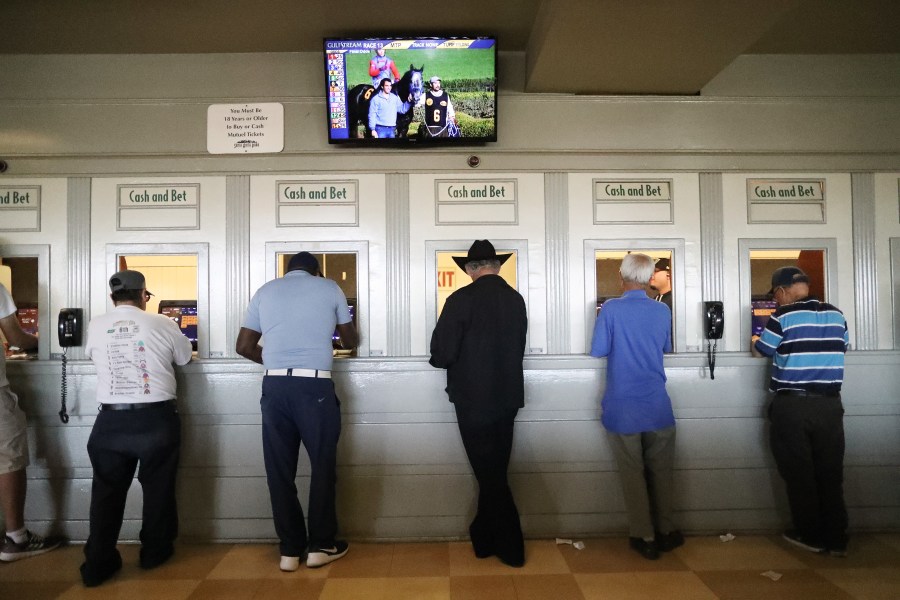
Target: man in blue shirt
<point>383,109</point>
<point>297,314</point>
<point>807,340</point>
<point>634,331</point>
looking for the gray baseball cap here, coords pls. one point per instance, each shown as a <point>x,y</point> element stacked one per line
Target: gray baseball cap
<point>127,280</point>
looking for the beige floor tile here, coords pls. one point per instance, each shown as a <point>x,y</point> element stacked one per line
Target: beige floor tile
<point>258,561</point>
<point>866,584</point>
<point>226,589</point>
<point>793,585</point>
<point>418,588</point>
<point>134,589</point>
<point>756,553</point>
<point>364,560</point>
<point>547,587</point>
<point>541,558</point>
<point>357,588</point>
<point>612,555</point>
<point>485,587</point>
<point>643,586</point>
<point>420,560</point>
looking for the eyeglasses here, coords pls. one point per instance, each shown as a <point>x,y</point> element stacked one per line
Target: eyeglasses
<point>147,295</point>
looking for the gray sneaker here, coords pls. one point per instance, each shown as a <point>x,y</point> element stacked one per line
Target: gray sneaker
<point>32,546</point>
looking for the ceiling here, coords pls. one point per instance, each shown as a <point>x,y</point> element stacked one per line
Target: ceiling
<point>570,46</point>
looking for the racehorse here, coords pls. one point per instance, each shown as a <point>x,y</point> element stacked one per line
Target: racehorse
<point>409,88</point>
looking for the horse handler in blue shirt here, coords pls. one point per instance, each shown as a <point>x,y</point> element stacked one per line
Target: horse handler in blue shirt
<point>633,332</point>
<point>297,314</point>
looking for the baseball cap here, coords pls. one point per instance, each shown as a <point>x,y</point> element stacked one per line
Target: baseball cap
<point>433,79</point>
<point>786,277</point>
<point>127,280</point>
<point>662,264</point>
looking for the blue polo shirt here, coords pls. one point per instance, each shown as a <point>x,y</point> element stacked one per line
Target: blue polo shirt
<point>297,314</point>
<point>634,331</point>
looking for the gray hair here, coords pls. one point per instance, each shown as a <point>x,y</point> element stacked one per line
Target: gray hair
<point>636,268</point>
<point>474,265</point>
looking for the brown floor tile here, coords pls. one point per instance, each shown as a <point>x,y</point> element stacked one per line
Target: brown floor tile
<point>382,588</point>
<point>60,565</point>
<point>866,584</point>
<point>190,561</point>
<point>33,590</point>
<point>644,586</point>
<point>891,539</point>
<point>258,561</point>
<point>290,589</point>
<point>541,558</point>
<point>134,589</point>
<point>484,587</point>
<point>547,587</point>
<point>612,555</point>
<point>363,560</point>
<point>793,585</point>
<point>420,560</point>
<point>755,553</point>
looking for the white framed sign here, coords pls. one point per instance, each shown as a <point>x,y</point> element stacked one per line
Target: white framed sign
<point>245,128</point>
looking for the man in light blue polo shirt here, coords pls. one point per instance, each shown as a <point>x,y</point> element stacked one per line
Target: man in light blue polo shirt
<point>634,331</point>
<point>297,314</point>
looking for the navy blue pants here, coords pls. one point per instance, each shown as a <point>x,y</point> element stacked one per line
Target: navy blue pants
<point>119,442</point>
<point>807,439</point>
<point>295,410</point>
<point>496,529</point>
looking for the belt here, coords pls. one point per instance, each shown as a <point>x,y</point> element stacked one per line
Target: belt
<point>806,394</point>
<point>316,373</point>
<point>136,405</point>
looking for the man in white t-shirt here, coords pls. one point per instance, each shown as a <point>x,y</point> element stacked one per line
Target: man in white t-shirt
<point>18,543</point>
<point>138,424</point>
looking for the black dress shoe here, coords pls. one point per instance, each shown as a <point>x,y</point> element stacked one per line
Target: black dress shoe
<point>151,560</point>
<point>94,575</point>
<point>646,549</point>
<point>666,542</point>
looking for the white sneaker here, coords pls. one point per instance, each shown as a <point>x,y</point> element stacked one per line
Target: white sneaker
<point>289,563</point>
<point>319,557</point>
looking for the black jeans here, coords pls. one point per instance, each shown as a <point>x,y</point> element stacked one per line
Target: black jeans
<point>119,442</point>
<point>295,410</point>
<point>807,439</point>
<point>496,528</point>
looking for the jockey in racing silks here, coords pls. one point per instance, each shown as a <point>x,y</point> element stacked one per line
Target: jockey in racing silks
<point>380,66</point>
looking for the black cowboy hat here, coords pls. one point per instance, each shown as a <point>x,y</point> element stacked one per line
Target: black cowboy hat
<point>480,250</point>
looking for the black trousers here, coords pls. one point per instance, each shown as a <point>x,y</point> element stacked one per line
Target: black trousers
<point>299,410</point>
<point>496,529</point>
<point>120,442</point>
<point>807,439</point>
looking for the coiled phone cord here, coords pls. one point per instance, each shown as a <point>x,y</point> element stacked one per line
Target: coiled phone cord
<point>711,346</point>
<point>63,413</point>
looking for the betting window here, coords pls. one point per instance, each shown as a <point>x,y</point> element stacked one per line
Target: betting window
<point>602,281</point>
<point>345,263</point>
<point>443,276</point>
<point>24,273</point>
<point>177,277</point>
<point>759,258</point>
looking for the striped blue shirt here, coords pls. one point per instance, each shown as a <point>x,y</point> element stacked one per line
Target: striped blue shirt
<point>807,341</point>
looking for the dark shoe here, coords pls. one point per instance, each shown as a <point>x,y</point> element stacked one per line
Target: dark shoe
<point>516,560</point>
<point>152,560</point>
<point>838,552</point>
<point>666,542</point>
<point>646,549</point>
<point>94,575</point>
<point>319,557</point>
<point>32,546</point>
<point>793,537</point>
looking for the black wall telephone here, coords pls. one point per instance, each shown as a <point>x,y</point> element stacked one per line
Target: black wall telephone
<point>714,320</point>
<point>70,325</point>
<point>713,327</point>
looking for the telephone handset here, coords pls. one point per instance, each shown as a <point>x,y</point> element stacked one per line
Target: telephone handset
<point>70,326</point>
<point>713,327</point>
<point>714,320</point>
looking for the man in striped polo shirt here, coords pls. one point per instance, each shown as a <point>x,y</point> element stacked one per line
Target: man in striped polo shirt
<point>807,340</point>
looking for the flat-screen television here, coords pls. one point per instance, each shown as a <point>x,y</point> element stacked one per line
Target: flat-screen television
<point>411,90</point>
<point>184,313</point>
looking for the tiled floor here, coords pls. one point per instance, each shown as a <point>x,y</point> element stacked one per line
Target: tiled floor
<point>704,567</point>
